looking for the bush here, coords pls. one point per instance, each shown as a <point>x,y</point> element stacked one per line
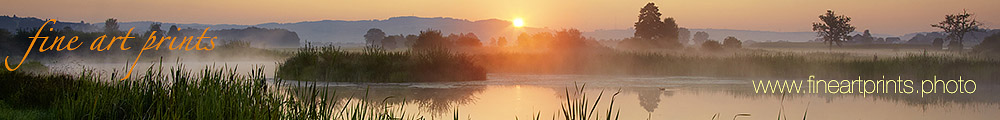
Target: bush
<point>711,45</point>
<point>732,42</point>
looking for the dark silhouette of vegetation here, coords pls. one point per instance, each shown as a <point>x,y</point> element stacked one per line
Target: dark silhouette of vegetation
<point>732,42</point>
<point>991,44</point>
<point>174,31</point>
<point>956,26</point>
<point>863,38</point>
<point>175,94</point>
<point>651,32</point>
<point>700,37</point>
<point>260,37</point>
<point>430,39</point>
<point>155,27</point>
<point>833,28</point>
<point>466,40</point>
<point>711,45</point>
<point>938,43</point>
<point>648,26</point>
<point>565,40</point>
<point>392,41</point>
<point>377,65</point>
<point>111,27</point>
<point>374,36</point>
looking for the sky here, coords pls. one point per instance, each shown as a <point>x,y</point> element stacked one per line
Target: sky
<point>894,17</point>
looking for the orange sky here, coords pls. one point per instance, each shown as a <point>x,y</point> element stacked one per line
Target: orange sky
<point>881,16</point>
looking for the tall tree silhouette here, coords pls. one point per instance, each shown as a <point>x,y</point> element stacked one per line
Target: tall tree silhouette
<point>174,31</point>
<point>652,32</point>
<point>111,27</point>
<point>957,25</point>
<point>833,28</point>
<point>649,22</point>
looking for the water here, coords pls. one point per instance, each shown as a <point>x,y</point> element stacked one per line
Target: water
<point>506,96</point>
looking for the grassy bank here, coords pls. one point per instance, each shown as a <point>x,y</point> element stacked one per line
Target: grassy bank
<point>377,65</point>
<point>178,94</point>
<point>746,63</point>
<point>211,94</point>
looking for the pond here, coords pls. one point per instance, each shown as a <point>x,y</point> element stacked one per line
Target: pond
<point>506,96</point>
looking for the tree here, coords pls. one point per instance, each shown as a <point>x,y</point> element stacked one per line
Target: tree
<point>468,40</point>
<point>649,22</point>
<point>568,38</point>
<point>937,44</point>
<point>501,42</point>
<point>711,45</point>
<point>866,37</point>
<point>174,31</point>
<point>650,31</point>
<point>990,44</point>
<point>833,28</point>
<point>390,41</point>
<point>956,26</point>
<point>700,37</point>
<point>542,39</point>
<point>732,42</point>
<point>411,39</point>
<point>429,39</point>
<point>111,27</point>
<point>668,34</point>
<point>683,36</point>
<point>154,27</point>
<point>955,45</point>
<point>374,36</point>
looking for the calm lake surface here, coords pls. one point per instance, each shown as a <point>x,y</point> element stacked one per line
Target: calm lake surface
<point>506,96</point>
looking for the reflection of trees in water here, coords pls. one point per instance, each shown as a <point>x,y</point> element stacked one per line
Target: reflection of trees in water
<point>985,95</point>
<point>649,98</point>
<point>433,100</point>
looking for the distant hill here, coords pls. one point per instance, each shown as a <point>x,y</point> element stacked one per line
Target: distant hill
<point>341,31</point>
<point>14,23</point>
<point>353,31</point>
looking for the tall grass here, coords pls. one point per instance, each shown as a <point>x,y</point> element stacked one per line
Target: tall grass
<point>376,65</point>
<point>581,109</point>
<point>753,64</point>
<point>212,93</point>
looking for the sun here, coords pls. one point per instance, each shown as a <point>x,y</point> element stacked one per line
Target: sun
<point>518,22</point>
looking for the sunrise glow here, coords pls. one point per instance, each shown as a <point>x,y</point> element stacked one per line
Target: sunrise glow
<point>518,22</point>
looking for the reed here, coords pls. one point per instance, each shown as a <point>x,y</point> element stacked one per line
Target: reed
<point>374,64</point>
